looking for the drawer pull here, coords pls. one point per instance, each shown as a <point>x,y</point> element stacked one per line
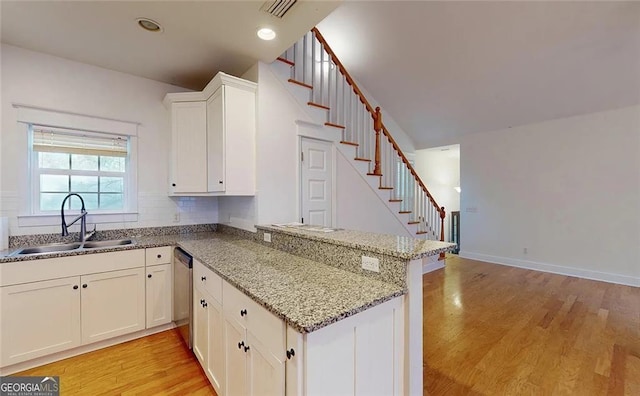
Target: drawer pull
<point>159,256</point>
<point>243,312</point>
<point>246,348</point>
<point>204,278</point>
<point>149,276</point>
<point>84,286</point>
<point>240,344</point>
<point>291,353</point>
<point>75,287</point>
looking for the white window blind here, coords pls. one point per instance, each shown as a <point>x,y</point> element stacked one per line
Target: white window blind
<point>56,141</point>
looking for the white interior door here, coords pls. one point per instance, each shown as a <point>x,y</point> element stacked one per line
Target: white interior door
<point>316,171</point>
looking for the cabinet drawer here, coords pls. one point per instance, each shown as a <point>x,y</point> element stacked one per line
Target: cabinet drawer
<point>207,281</point>
<point>264,325</point>
<point>159,255</point>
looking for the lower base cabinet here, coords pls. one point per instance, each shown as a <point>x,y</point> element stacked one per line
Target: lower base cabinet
<point>159,294</point>
<point>39,318</point>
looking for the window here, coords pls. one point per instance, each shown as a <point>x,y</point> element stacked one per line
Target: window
<point>94,165</point>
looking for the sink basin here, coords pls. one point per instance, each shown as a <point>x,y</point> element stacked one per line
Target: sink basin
<point>52,248</point>
<point>107,244</point>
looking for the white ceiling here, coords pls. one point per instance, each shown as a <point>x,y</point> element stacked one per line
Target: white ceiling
<point>442,69</point>
<point>199,39</point>
<point>446,69</point>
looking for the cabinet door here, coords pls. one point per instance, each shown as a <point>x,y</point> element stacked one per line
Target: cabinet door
<point>159,282</point>
<point>112,304</point>
<point>200,326</point>
<point>216,141</point>
<point>265,371</point>
<point>38,319</point>
<point>235,358</point>
<point>215,353</point>
<point>189,147</point>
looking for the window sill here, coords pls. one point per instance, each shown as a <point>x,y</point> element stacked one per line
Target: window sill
<point>92,218</point>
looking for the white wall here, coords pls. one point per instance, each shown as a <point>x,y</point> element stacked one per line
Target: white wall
<point>440,172</point>
<point>568,190</point>
<point>358,207</point>
<point>41,80</point>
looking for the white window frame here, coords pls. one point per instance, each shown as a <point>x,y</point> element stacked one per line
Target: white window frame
<point>36,171</point>
<point>30,215</point>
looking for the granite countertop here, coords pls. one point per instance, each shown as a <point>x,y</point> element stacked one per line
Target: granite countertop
<point>393,245</point>
<point>307,294</point>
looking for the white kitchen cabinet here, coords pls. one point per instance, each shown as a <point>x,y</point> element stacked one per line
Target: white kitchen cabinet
<point>220,126</point>
<point>265,370</point>
<point>113,303</point>
<point>159,295</point>
<point>235,358</point>
<point>189,147</point>
<point>208,325</point>
<point>39,318</point>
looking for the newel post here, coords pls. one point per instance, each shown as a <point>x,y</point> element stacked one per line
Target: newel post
<point>443,213</point>
<point>377,125</point>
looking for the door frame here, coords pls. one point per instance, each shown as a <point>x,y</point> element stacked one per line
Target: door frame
<point>315,132</point>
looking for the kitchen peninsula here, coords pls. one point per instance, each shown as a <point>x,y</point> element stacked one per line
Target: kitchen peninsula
<point>301,305</point>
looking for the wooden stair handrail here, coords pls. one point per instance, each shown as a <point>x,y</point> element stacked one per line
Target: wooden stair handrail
<point>379,125</point>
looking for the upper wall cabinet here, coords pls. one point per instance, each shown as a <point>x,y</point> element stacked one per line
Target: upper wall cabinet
<point>213,138</point>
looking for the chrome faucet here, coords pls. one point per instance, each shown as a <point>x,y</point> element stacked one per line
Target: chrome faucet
<point>82,217</point>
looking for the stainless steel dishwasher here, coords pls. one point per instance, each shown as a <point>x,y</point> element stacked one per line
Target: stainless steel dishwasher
<point>183,294</point>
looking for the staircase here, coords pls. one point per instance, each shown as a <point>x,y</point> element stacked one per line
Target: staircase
<point>334,98</point>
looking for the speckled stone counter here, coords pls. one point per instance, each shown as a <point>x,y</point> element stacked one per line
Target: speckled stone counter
<point>307,294</point>
<point>405,248</point>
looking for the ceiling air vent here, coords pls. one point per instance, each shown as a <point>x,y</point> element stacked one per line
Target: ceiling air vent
<point>278,8</point>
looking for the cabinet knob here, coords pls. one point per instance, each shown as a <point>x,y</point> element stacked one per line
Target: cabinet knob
<point>243,312</point>
<point>291,353</point>
<point>240,344</point>
<point>201,302</point>
<point>204,304</point>
<point>159,256</point>
<point>84,286</point>
<point>246,348</point>
<point>149,276</point>
<point>204,278</point>
<point>173,184</point>
<point>75,287</point>
<point>220,181</point>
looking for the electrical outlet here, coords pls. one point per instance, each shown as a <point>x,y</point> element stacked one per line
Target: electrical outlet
<point>176,217</point>
<point>267,237</point>
<point>371,264</point>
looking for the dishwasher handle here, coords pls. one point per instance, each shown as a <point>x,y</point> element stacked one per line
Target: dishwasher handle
<point>185,258</point>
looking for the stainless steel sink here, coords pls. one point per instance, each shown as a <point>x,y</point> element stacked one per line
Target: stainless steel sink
<point>66,247</point>
<point>52,248</point>
<point>107,244</point>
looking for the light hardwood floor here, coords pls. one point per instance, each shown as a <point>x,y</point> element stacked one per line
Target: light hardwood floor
<point>488,330</point>
<point>496,330</point>
<point>156,365</point>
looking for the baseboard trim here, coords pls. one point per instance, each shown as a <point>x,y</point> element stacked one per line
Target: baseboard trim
<point>29,364</point>
<point>554,269</point>
<point>432,266</point>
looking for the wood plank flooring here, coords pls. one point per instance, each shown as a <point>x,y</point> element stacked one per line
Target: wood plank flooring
<point>496,330</point>
<point>156,365</point>
<point>488,330</point>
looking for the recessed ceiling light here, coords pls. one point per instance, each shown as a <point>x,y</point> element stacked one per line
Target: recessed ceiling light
<point>266,34</point>
<point>149,25</point>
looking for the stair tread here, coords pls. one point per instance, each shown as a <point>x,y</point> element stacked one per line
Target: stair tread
<point>395,200</point>
<point>349,143</point>
<point>422,232</point>
<point>287,61</point>
<point>334,125</point>
<point>373,174</point>
<point>318,105</point>
<point>385,188</point>
<point>362,159</point>
<point>291,80</point>
<point>405,211</point>
<point>413,222</point>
